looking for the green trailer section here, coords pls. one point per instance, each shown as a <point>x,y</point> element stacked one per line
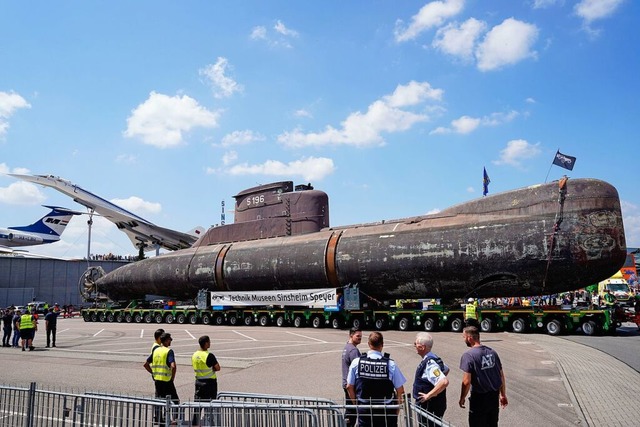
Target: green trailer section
<point>545,319</point>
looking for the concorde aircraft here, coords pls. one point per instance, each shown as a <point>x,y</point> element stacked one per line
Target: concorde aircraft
<point>47,229</point>
<point>141,232</point>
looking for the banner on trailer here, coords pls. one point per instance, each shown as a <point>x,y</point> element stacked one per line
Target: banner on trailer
<point>316,298</point>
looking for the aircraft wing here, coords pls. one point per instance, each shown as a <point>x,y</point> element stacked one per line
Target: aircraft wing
<point>140,231</point>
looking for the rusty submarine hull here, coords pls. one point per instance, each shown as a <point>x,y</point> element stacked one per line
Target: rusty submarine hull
<point>541,239</point>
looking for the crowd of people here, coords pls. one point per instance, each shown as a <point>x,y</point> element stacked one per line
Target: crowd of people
<point>24,325</point>
<point>373,380</point>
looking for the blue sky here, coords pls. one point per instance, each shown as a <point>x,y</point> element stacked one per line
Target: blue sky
<point>392,108</point>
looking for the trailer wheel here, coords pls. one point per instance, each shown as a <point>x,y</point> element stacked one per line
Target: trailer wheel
<point>193,318</point>
<point>148,318</point>
<point>280,321</point>
<point>381,323</point>
<point>457,324</point>
<point>336,323</point>
<point>589,327</point>
<point>429,324</point>
<point>102,317</point>
<point>233,320</point>
<point>119,317</point>
<point>181,318</point>
<point>404,324</point>
<point>206,319</point>
<point>554,327</point>
<point>316,322</point>
<point>218,320</point>
<point>169,318</point>
<point>356,322</point>
<point>486,325</point>
<point>110,317</point>
<point>158,318</point>
<point>248,320</point>
<point>264,320</point>
<point>297,321</point>
<point>137,318</point>
<point>519,326</point>
<point>128,318</point>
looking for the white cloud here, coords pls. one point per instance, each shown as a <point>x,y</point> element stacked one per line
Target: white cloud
<point>631,219</point>
<point>459,41</point>
<point>543,4</point>
<point>366,129</point>
<point>137,205</point>
<point>517,150</point>
<point>310,169</point>
<point>9,103</point>
<point>22,193</point>
<point>467,124</point>
<point>229,157</point>
<point>161,120</point>
<point>223,86</point>
<point>431,15</point>
<point>128,159</point>
<point>282,29</point>
<point>303,113</point>
<point>505,44</point>
<point>593,10</point>
<point>241,137</point>
<point>258,33</point>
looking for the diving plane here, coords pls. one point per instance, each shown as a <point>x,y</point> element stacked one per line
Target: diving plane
<point>142,233</point>
<point>47,229</point>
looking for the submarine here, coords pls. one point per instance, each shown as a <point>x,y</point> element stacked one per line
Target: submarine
<point>542,239</point>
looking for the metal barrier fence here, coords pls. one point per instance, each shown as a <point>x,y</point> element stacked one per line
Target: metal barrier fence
<point>31,407</point>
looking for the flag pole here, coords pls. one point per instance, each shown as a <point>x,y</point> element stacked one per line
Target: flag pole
<point>549,171</point>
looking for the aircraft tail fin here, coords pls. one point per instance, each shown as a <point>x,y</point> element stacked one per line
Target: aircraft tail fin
<point>51,225</point>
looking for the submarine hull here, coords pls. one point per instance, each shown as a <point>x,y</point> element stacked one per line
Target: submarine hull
<point>537,240</point>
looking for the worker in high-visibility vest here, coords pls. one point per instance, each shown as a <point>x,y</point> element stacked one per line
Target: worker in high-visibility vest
<point>161,364</point>
<point>205,365</point>
<point>28,326</point>
<point>471,313</point>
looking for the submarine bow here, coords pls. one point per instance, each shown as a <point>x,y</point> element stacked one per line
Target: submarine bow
<point>541,239</point>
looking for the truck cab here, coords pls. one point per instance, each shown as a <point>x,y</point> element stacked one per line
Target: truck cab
<point>619,288</point>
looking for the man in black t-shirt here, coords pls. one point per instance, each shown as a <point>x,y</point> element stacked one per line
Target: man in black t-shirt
<point>51,324</point>
<point>483,375</point>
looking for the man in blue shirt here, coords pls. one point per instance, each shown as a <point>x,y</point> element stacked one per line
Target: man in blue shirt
<point>375,379</point>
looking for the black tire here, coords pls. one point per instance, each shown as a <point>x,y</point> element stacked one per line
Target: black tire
<point>218,320</point>
<point>158,318</point>
<point>206,319</point>
<point>457,324</point>
<point>356,322</point>
<point>111,318</point>
<point>233,320</point>
<point>263,320</point>
<point>119,317</point>
<point>554,327</point>
<point>102,317</point>
<point>181,318</point>
<point>380,323</point>
<point>336,323</point>
<point>169,318</point>
<point>137,317</point>
<point>192,318</point>
<point>248,320</point>
<point>147,318</point>
<point>317,322</point>
<point>86,317</point>
<point>519,326</point>
<point>429,324</point>
<point>128,318</point>
<point>280,321</point>
<point>404,324</point>
<point>486,325</point>
<point>298,321</point>
<point>589,327</point>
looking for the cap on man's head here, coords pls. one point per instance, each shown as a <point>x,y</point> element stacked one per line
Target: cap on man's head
<point>470,300</point>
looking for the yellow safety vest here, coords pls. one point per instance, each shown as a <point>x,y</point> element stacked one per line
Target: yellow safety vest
<point>470,311</point>
<point>26,321</point>
<point>159,368</point>
<point>199,362</point>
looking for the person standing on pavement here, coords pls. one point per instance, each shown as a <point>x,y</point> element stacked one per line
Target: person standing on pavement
<point>483,375</point>
<point>50,322</point>
<point>161,364</point>
<point>471,313</point>
<point>375,379</point>
<point>349,354</point>
<point>7,320</point>
<point>205,365</point>
<point>28,326</point>
<point>430,383</point>
<point>156,336</point>
<point>15,340</point>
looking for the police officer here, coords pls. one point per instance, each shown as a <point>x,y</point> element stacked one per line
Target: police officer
<point>375,379</point>
<point>430,383</point>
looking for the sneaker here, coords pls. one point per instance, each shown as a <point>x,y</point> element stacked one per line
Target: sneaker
<point>53,345</point>
<point>23,349</point>
<point>47,346</point>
